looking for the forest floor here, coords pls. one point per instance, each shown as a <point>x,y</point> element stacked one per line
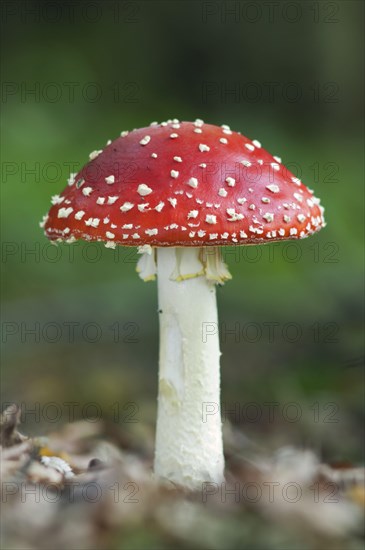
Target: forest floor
<point>76,489</point>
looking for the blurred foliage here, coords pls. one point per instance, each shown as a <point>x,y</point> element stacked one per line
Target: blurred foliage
<point>153,61</point>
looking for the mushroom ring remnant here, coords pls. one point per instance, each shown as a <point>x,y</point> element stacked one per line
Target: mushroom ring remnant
<point>179,191</point>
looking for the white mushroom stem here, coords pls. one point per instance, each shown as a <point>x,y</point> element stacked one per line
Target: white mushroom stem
<point>189,448</point>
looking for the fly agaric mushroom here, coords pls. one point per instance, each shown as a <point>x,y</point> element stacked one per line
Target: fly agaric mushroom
<point>179,191</point>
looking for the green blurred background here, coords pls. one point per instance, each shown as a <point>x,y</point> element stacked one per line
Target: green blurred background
<point>76,74</point>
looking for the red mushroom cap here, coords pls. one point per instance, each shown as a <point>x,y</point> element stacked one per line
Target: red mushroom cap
<point>183,184</point>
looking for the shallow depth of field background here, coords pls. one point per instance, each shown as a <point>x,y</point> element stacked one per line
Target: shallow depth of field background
<point>290,78</point>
